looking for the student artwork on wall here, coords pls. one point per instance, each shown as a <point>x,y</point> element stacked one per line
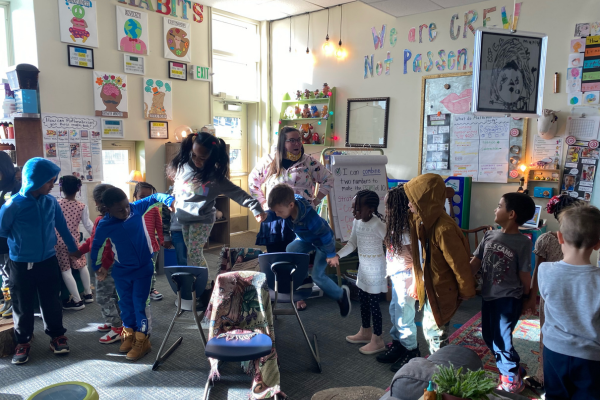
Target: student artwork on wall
<point>508,73</point>
<point>177,39</point>
<point>78,22</point>
<point>158,99</point>
<point>132,31</point>
<point>580,169</point>
<point>110,94</point>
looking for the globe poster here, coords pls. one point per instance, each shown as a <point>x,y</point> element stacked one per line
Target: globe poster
<point>78,23</point>
<point>132,31</point>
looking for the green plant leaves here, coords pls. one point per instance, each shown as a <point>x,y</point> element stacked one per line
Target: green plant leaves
<point>474,385</point>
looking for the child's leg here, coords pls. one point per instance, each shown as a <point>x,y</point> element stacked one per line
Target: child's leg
<point>140,290</point>
<point>71,285</point>
<point>154,257</point>
<point>569,377</point>
<point>47,279</point>
<point>502,320</point>
<point>437,337</point>
<point>196,236</point>
<point>106,296</point>
<point>22,289</point>
<point>375,313</point>
<point>84,274</point>
<point>125,292</point>
<point>365,308</point>
<point>402,312</point>
<point>180,248</point>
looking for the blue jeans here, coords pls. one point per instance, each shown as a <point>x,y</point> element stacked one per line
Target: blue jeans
<point>329,287</point>
<point>402,311</point>
<point>498,321</point>
<point>180,247</point>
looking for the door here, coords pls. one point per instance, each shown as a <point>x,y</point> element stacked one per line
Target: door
<point>118,160</point>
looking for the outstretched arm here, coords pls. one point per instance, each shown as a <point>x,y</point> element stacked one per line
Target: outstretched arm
<point>141,206</point>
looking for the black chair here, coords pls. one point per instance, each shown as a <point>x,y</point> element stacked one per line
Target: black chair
<point>286,273</point>
<point>189,284</point>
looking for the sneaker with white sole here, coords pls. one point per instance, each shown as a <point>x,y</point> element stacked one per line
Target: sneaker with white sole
<point>155,295</point>
<point>59,345</point>
<point>104,327</point>
<point>114,335</point>
<point>21,355</point>
<point>73,305</point>
<point>88,298</point>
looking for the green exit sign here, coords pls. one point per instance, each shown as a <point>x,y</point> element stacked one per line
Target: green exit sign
<point>201,73</point>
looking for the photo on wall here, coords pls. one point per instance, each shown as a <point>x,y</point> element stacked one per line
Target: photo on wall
<point>110,94</point>
<point>177,39</point>
<point>158,99</point>
<point>78,22</point>
<point>132,31</point>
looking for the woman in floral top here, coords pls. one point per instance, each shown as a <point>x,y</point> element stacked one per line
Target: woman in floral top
<point>302,172</point>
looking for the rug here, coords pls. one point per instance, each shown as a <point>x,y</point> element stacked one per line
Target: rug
<point>526,339</point>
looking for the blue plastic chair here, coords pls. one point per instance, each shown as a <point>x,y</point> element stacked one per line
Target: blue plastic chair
<point>286,273</point>
<point>188,283</point>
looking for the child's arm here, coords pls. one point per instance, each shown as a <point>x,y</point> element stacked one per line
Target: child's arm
<point>257,178</point>
<point>159,227</point>
<point>86,246</point>
<point>166,227</point>
<point>141,206</point>
<point>321,229</point>
<point>99,243</point>
<point>238,195</point>
<point>350,246</point>
<point>475,265</point>
<point>530,304</point>
<point>61,226</point>
<point>457,257</point>
<point>8,213</point>
<point>524,260</point>
<point>85,220</point>
<point>478,255</point>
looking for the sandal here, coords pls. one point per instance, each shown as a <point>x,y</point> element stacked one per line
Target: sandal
<point>299,306</point>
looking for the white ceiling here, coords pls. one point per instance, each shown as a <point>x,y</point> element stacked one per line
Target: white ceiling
<point>268,10</point>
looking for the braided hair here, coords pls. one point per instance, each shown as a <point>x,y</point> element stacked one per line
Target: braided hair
<point>558,204</point>
<point>370,199</point>
<point>398,216</point>
<point>141,185</point>
<point>216,166</point>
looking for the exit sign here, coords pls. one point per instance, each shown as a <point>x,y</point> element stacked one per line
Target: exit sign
<point>200,73</point>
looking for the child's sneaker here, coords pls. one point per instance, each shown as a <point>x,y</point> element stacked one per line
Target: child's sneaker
<point>104,327</point>
<point>155,295</point>
<point>141,347</point>
<point>112,336</point>
<point>394,351</point>
<point>344,302</point>
<point>88,298</point>
<point>409,355</point>
<point>363,336</point>
<point>21,353</point>
<point>511,384</point>
<point>72,305</point>
<point>127,339</point>
<point>375,346</point>
<point>59,345</point>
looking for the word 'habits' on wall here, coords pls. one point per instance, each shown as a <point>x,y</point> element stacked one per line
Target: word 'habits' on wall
<point>170,7</point>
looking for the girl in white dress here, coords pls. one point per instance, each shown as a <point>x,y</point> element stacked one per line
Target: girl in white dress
<point>367,235</point>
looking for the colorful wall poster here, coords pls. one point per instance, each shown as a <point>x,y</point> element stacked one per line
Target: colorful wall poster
<point>132,31</point>
<point>438,142</point>
<point>177,39</point>
<point>580,171</point>
<point>591,65</point>
<point>78,22</point>
<point>110,94</point>
<point>112,129</point>
<point>68,142</point>
<point>158,99</point>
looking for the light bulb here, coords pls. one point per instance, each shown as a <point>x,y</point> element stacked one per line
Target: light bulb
<point>523,167</point>
<point>181,132</point>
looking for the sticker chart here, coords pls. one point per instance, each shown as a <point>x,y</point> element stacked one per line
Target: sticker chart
<point>455,142</point>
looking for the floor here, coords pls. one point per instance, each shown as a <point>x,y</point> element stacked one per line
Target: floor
<point>184,374</point>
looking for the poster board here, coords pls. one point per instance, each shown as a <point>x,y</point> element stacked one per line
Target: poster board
<point>177,38</point>
<point>355,161</point>
<point>475,146</point>
<point>78,22</point>
<point>132,31</point>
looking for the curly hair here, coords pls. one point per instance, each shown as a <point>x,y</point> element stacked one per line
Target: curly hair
<point>216,166</point>
<point>69,185</point>
<point>141,185</point>
<point>370,199</point>
<point>558,204</point>
<point>398,215</point>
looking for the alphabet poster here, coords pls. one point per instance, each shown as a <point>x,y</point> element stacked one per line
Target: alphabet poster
<point>78,22</point>
<point>158,103</point>
<point>132,31</point>
<point>73,143</point>
<point>177,38</point>
<point>110,94</point>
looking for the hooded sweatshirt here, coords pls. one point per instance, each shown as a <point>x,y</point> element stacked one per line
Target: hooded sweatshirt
<point>311,228</point>
<point>195,201</point>
<point>448,273</point>
<point>28,223</point>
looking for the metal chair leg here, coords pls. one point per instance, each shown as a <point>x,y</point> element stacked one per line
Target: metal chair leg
<point>160,359</point>
<point>198,320</point>
<point>208,382</point>
<point>315,351</point>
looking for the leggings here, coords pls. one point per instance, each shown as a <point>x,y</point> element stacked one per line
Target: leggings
<point>369,306</point>
<point>195,236</point>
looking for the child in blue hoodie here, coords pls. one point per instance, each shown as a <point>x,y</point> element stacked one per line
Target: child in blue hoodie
<point>28,220</point>
<point>312,234</point>
<point>133,267</point>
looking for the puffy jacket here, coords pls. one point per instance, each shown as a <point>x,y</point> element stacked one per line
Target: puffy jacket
<point>28,223</point>
<point>448,274</point>
<point>309,227</point>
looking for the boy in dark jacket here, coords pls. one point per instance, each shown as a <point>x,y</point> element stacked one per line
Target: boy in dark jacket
<point>28,221</point>
<point>312,234</point>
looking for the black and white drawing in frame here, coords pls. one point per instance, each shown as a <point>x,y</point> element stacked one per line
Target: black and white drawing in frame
<point>508,72</point>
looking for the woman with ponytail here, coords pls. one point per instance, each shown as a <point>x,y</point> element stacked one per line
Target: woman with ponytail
<point>200,173</point>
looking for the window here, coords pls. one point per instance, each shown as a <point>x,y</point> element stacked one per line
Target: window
<point>236,53</point>
<point>118,160</point>
<point>6,48</point>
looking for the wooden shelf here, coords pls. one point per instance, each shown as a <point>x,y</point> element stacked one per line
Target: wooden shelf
<point>544,170</point>
<point>304,119</point>
<point>307,101</point>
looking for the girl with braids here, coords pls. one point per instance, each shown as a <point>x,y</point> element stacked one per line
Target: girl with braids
<point>154,226</point>
<point>367,235</point>
<point>404,345</point>
<point>547,249</point>
<point>200,174</point>
<point>74,212</point>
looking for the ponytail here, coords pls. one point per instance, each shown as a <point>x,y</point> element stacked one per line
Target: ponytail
<point>182,157</point>
<point>216,166</point>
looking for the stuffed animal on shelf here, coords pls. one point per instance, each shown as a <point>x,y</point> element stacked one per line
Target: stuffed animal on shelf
<point>289,112</point>
<point>306,112</point>
<point>324,112</point>
<point>307,94</point>
<point>315,112</point>
<point>316,138</point>
<point>297,111</point>
<point>326,90</point>
<point>298,95</point>
<point>306,134</point>
<point>317,94</point>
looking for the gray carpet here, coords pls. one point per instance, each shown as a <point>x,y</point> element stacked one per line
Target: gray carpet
<point>183,375</point>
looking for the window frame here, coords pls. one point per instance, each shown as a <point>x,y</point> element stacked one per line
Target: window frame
<point>9,34</point>
<point>128,145</point>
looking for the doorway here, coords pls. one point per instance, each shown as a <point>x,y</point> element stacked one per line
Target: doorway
<point>118,160</point>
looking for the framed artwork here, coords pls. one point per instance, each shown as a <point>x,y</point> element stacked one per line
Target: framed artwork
<point>132,31</point>
<point>178,70</point>
<point>158,99</point>
<point>177,38</point>
<point>110,94</point>
<point>158,130</point>
<point>78,24</point>
<point>134,64</point>
<point>508,73</point>
<point>80,57</point>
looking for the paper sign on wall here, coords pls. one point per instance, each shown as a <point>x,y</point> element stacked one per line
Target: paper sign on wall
<point>177,39</point>
<point>78,23</point>
<point>132,31</point>
<point>158,103</point>
<point>110,94</point>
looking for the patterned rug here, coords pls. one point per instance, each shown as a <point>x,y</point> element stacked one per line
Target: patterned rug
<point>526,339</point>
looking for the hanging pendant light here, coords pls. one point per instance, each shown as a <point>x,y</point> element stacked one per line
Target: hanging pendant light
<point>328,47</point>
<point>340,52</point>
<point>308,34</point>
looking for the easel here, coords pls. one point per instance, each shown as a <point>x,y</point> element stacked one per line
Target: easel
<point>326,161</point>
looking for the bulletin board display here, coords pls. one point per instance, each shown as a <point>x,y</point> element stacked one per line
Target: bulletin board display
<point>455,142</point>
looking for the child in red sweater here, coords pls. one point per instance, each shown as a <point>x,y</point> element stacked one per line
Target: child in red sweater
<point>153,222</point>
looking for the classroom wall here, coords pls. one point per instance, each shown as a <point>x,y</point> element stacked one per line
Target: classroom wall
<point>24,32</point>
<point>68,90</point>
<point>298,70</point>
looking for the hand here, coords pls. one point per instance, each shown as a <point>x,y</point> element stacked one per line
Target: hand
<point>172,206</point>
<point>316,202</point>
<point>261,217</point>
<point>101,274</point>
<point>333,261</point>
<point>168,244</point>
<point>412,291</point>
<point>76,255</point>
<point>529,306</point>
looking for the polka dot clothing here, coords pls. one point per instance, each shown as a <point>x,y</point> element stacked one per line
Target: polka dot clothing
<point>369,306</point>
<point>72,210</point>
